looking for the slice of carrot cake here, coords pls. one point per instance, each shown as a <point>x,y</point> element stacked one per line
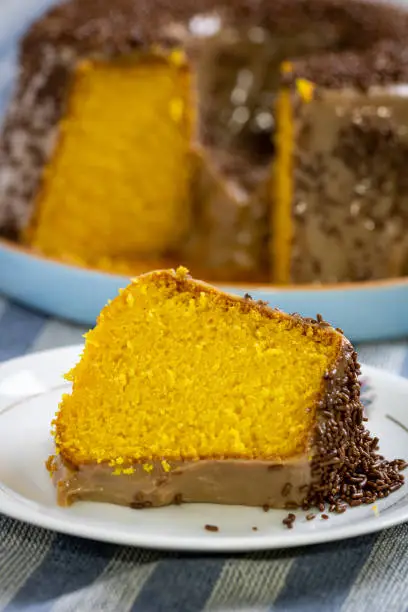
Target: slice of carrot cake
<point>187,394</point>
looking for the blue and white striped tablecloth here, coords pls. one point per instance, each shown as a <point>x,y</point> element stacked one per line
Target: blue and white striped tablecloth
<point>42,571</point>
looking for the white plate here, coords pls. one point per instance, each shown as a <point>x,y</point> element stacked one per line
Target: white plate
<point>30,388</point>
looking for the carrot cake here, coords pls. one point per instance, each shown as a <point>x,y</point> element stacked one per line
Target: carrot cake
<point>145,132</point>
<point>187,394</point>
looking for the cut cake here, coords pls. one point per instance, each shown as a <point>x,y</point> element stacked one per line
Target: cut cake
<point>143,133</point>
<point>187,394</point>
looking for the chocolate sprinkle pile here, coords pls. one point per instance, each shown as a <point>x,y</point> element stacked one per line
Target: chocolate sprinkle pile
<point>346,467</point>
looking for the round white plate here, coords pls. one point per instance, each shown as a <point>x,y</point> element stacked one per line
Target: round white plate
<point>30,388</point>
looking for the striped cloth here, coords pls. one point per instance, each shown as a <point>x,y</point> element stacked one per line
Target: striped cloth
<point>42,571</point>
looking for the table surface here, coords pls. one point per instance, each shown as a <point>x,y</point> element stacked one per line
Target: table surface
<point>43,571</point>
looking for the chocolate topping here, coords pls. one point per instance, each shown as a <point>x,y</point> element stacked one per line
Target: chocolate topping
<point>350,186</point>
<point>227,481</point>
<point>346,466</point>
<point>96,23</point>
<point>384,64</point>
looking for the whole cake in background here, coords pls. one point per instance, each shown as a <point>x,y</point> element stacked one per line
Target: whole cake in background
<point>251,140</point>
<point>260,408</point>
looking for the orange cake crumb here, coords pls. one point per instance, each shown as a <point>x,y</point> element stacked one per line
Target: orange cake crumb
<point>117,184</point>
<point>176,369</point>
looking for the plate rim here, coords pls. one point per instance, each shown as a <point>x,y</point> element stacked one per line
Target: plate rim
<point>15,506</point>
<point>22,250</point>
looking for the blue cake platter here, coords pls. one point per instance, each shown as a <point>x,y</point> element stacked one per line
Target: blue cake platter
<point>365,311</point>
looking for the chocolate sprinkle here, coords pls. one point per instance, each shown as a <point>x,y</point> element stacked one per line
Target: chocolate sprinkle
<point>141,505</point>
<point>213,528</point>
<point>289,520</point>
<point>286,489</point>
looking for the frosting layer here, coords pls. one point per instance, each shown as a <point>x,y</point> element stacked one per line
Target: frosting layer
<point>227,481</point>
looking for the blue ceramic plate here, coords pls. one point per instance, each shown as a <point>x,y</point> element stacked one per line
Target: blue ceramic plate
<point>365,310</point>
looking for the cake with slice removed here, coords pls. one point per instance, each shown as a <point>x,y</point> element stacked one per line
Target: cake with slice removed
<point>144,132</point>
<point>187,394</point>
